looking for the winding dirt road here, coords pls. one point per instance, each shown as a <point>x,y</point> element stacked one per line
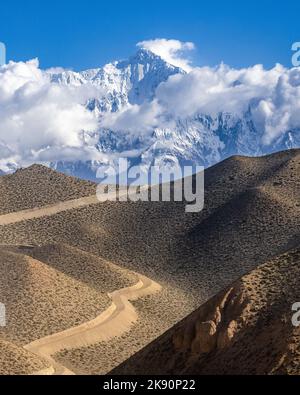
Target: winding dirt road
<point>113,322</point>
<point>46,211</point>
<point>52,209</point>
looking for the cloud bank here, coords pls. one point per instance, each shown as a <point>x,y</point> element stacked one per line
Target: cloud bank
<point>42,121</point>
<point>39,118</point>
<point>273,97</point>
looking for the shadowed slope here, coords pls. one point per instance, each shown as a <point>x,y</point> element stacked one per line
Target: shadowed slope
<point>251,214</point>
<point>103,276</point>
<point>246,329</point>
<point>41,300</point>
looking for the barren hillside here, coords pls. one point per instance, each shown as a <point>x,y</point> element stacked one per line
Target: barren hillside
<point>246,329</point>
<point>69,260</point>
<point>16,360</point>
<point>44,298</point>
<point>38,186</point>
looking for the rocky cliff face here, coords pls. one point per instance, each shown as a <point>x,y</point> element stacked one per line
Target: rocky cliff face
<point>246,329</point>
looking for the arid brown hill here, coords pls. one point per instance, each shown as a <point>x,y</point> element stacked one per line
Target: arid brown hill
<point>246,329</point>
<point>37,186</point>
<point>48,294</point>
<point>17,361</point>
<point>251,215</point>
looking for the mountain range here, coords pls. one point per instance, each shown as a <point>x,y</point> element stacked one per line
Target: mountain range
<point>200,139</point>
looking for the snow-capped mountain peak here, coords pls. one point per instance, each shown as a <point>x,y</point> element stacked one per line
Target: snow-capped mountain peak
<point>198,139</point>
<point>127,81</point>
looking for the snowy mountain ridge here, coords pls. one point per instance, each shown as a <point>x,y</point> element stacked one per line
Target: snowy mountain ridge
<point>198,139</point>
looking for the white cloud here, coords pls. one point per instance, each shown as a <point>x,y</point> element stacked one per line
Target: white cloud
<point>273,95</point>
<point>44,121</point>
<point>212,90</point>
<point>38,117</point>
<point>172,51</point>
<point>280,112</point>
<point>136,119</point>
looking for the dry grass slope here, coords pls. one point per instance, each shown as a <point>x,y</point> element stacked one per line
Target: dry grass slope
<point>15,360</point>
<point>251,214</point>
<point>42,299</point>
<point>38,186</point>
<point>246,329</point>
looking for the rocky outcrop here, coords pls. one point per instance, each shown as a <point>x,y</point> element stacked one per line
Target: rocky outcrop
<point>214,328</point>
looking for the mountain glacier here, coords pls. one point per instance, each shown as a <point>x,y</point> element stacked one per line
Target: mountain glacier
<point>200,139</point>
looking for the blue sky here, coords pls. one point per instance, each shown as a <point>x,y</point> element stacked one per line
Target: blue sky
<point>90,33</point>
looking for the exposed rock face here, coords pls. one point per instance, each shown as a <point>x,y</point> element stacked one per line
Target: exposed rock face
<point>246,329</point>
<point>213,329</point>
<point>205,339</point>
